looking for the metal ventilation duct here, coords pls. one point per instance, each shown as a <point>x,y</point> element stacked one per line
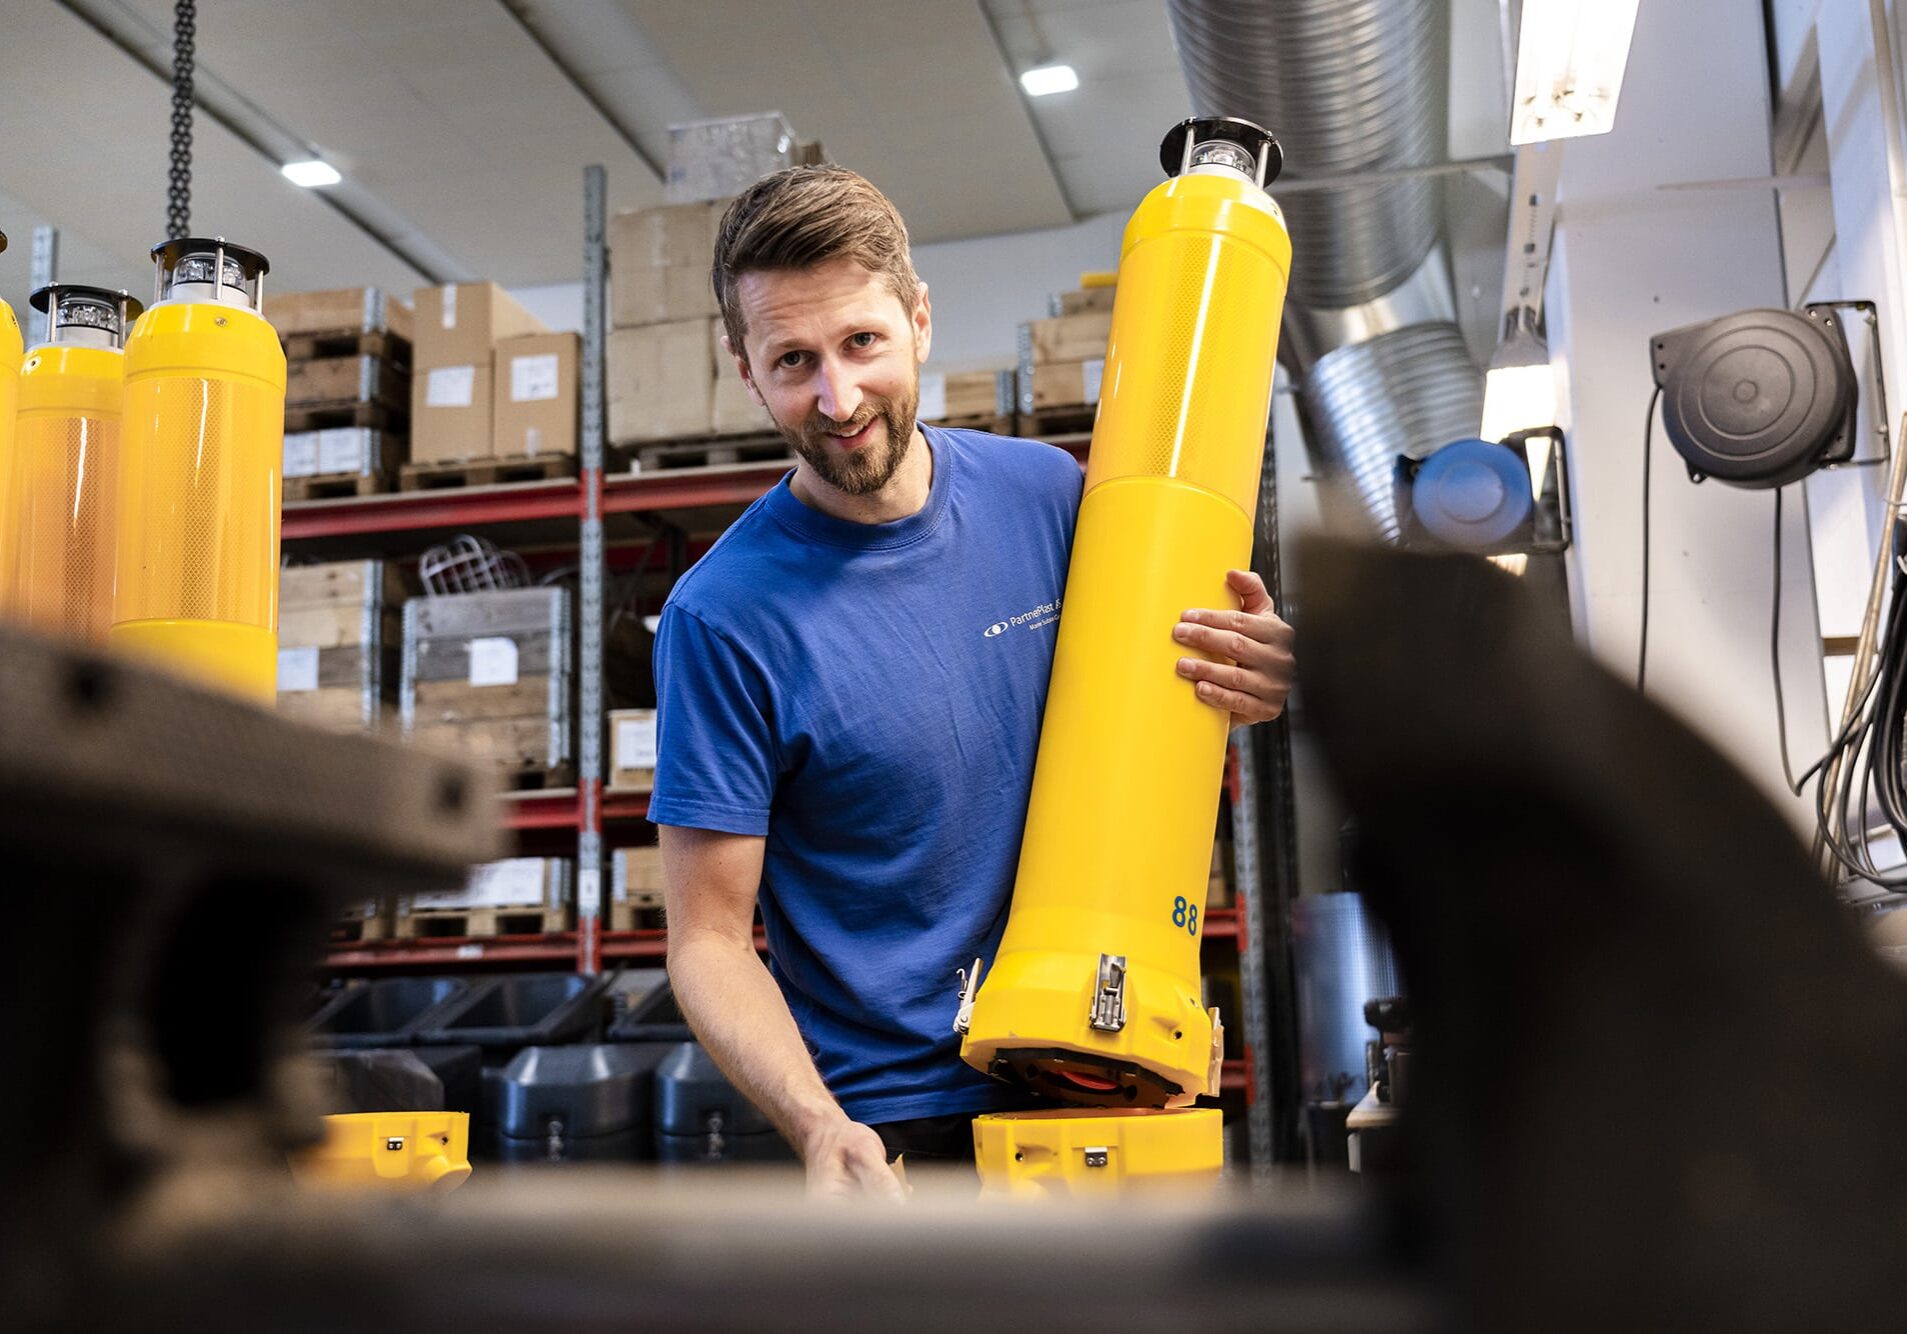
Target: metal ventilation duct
<point>1411,391</point>
<point>1347,86</point>
<point>1350,86</point>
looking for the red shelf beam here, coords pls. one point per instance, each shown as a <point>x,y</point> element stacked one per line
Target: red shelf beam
<point>558,808</point>
<point>408,510</point>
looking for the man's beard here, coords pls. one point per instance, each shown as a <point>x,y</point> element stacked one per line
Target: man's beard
<point>866,470</point>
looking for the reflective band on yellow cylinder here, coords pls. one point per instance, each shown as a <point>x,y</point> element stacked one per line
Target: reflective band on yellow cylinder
<point>10,350</point>
<point>65,484</point>
<point>1079,1152</point>
<point>1094,994</point>
<point>199,484</point>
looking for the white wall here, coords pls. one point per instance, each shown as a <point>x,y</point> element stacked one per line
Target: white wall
<point>981,289</point>
<point>1637,254</point>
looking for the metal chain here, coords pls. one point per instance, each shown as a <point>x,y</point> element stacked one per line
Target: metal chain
<point>179,179</point>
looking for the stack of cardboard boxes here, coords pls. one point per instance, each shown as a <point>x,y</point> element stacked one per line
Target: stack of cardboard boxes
<point>337,642</point>
<point>491,382</point>
<point>347,389</point>
<point>663,381</point>
<point>1062,358</point>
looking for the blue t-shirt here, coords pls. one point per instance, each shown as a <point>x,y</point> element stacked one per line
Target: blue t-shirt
<point>868,696</point>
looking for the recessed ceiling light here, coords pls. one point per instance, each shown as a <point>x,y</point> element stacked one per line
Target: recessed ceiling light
<point>311,173</point>
<point>1044,79</point>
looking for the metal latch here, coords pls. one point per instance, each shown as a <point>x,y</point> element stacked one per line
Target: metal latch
<point>1109,994</point>
<point>969,988</point>
<point>395,1144</point>
<point>1097,1157</point>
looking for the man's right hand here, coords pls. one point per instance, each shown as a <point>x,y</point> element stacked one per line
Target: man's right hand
<point>846,1159</point>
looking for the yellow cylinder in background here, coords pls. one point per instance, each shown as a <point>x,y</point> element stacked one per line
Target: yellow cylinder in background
<point>1110,891</point>
<point>10,352</point>
<point>199,480</point>
<point>65,473</point>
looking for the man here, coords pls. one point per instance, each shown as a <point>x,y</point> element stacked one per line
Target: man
<point>839,736</point>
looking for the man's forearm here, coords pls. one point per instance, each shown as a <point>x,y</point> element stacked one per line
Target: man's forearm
<point>741,1018</point>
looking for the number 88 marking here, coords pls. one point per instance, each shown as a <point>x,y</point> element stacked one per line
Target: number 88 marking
<point>1185,914</point>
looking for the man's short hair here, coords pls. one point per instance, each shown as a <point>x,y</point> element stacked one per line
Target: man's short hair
<point>803,216</point>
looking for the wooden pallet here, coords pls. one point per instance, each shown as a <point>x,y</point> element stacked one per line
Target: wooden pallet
<point>635,917</point>
<point>434,923</point>
<point>713,452</point>
<point>537,780</point>
<point>333,486</point>
<point>1049,422</point>
<point>394,348</point>
<point>360,930</point>
<point>484,472</point>
<point>329,416</point>
<point>996,423</point>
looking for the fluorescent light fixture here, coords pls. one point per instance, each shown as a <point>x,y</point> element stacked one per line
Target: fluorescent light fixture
<point>311,173</point>
<point>1519,392</point>
<point>1570,56</point>
<point>1042,80</point>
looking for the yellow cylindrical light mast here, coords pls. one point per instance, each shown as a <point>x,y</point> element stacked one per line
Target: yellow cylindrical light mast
<point>1094,994</point>
<point>10,350</point>
<point>65,473</point>
<point>199,483</point>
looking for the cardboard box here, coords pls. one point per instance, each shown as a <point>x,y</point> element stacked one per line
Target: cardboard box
<point>672,236</point>
<point>713,159</point>
<point>660,382</point>
<point>950,396</point>
<point>337,310</point>
<point>636,877</point>
<point>451,410</point>
<point>1070,337</point>
<point>632,750</point>
<point>487,677</point>
<point>1062,384</point>
<point>359,379</point>
<point>336,632</point>
<point>536,401</point>
<point>733,409</point>
<point>459,324</point>
<point>640,297</point>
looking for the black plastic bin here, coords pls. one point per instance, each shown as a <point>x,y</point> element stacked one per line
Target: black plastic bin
<point>384,1013</point>
<point>382,1081</point>
<point>593,1102</point>
<point>654,1018</point>
<point>460,1071</point>
<point>700,1118</point>
<point>520,1010</point>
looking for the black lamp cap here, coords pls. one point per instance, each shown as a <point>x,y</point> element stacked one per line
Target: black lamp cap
<point>44,299</point>
<point>250,262</point>
<point>1261,143</point>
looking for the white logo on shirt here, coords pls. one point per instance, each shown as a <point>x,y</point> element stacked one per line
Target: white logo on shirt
<point>1044,614</point>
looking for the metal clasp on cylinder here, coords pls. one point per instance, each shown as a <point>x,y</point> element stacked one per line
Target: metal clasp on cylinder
<point>1109,994</point>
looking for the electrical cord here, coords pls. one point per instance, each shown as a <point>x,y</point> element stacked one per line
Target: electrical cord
<point>1648,440</point>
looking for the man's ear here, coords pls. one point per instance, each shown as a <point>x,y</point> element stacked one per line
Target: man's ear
<point>923,325</point>
<point>748,376</point>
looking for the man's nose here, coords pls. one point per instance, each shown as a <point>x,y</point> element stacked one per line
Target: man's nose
<point>839,395</point>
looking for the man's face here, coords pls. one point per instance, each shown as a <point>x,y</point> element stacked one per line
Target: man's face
<point>835,358</point>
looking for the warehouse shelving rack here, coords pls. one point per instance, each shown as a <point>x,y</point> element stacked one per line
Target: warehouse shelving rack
<point>579,510</point>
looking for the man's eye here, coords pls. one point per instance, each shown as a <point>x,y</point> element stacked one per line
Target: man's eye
<point>789,360</point>
<point>863,339</point>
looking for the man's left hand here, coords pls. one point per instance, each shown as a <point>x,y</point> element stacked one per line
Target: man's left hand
<point>1255,678</point>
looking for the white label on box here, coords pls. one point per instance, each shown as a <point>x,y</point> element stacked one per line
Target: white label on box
<point>297,670</point>
<point>493,662</point>
<point>532,441</point>
<point>933,396</point>
<point>301,453</point>
<point>1091,372</point>
<point>344,449</point>
<point>451,387</point>
<point>470,951</point>
<point>450,306</point>
<point>589,892</point>
<point>515,883</point>
<point>532,378</point>
<point>636,743</point>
